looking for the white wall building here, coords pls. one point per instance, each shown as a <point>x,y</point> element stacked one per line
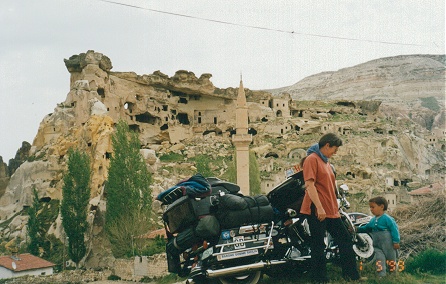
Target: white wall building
<point>24,264</point>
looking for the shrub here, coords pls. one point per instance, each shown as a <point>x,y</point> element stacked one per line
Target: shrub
<point>430,103</point>
<point>429,261</point>
<point>203,163</point>
<point>113,277</point>
<point>155,246</point>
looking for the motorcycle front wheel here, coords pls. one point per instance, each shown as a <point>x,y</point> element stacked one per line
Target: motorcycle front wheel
<point>364,247</point>
<point>251,278</point>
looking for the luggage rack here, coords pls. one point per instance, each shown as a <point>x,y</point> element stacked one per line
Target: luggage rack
<point>267,240</point>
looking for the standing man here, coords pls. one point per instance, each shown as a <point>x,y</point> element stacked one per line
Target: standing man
<point>321,207</point>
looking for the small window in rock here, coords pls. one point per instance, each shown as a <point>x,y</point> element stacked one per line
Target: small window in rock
<point>271,154</point>
<point>252,131</point>
<point>134,127</point>
<point>101,92</point>
<point>184,119</point>
<point>45,199</point>
<point>164,127</point>
<point>146,118</point>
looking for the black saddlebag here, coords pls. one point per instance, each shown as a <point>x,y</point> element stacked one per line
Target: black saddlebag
<point>289,193</point>
<point>234,210</point>
<point>177,245</point>
<point>186,212</point>
<point>183,241</point>
<point>206,227</point>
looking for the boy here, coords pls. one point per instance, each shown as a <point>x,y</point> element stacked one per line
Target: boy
<point>385,234</point>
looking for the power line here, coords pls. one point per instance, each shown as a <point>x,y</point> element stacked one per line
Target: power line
<point>260,28</point>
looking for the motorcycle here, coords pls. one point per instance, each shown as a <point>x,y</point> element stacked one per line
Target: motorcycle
<point>263,238</point>
<point>295,227</point>
<point>362,242</point>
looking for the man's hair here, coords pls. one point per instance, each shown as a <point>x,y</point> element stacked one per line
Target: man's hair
<point>380,201</point>
<point>330,138</point>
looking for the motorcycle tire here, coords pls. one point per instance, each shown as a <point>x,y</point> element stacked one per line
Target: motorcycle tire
<point>364,247</point>
<point>251,278</point>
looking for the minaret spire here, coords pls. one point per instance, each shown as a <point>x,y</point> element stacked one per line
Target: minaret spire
<point>242,139</point>
<point>241,121</point>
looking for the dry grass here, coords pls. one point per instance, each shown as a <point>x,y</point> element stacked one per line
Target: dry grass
<point>422,225</point>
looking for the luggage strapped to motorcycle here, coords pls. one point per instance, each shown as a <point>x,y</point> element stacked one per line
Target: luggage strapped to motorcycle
<point>249,208</point>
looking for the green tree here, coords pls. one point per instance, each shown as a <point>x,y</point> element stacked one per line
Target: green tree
<point>129,201</point>
<point>231,172</point>
<point>33,225</point>
<point>76,194</point>
<point>254,175</point>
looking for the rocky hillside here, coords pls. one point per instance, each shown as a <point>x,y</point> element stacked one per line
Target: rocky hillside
<point>407,85</point>
<point>182,117</point>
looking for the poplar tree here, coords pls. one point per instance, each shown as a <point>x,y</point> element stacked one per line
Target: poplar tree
<point>129,200</point>
<point>76,195</point>
<point>254,175</point>
<point>33,225</point>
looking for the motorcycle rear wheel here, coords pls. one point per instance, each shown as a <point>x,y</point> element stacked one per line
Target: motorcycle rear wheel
<point>251,278</point>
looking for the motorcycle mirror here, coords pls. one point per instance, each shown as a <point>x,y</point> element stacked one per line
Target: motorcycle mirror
<point>344,187</point>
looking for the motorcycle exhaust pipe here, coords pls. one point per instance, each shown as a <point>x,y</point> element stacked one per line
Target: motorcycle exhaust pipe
<point>242,269</point>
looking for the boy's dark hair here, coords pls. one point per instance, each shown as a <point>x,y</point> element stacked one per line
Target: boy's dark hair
<point>330,138</point>
<point>380,201</point>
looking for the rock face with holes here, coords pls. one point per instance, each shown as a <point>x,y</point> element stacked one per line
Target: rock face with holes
<point>402,83</point>
<point>384,149</point>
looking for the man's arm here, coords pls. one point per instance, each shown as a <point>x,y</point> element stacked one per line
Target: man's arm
<point>312,193</point>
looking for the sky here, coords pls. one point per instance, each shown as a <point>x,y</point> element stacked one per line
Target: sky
<point>272,44</point>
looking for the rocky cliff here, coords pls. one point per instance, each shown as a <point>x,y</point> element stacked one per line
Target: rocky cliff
<point>187,116</point>
<point>402,83</point>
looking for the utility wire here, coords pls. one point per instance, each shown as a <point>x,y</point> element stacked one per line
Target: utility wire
<point>260,28</point>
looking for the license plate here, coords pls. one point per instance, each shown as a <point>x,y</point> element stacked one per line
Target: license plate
<point>239,242</point>
<point>237,254</point>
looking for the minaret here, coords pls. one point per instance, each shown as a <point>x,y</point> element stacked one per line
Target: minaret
<point>241,140</point>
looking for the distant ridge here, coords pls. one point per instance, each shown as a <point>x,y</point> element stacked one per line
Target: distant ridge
<point>398,79</point>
